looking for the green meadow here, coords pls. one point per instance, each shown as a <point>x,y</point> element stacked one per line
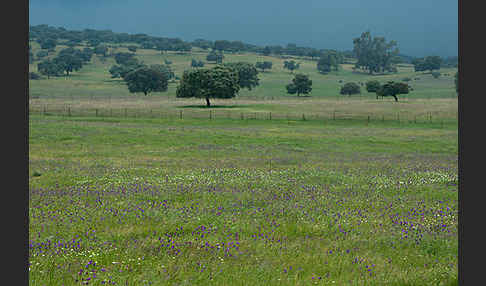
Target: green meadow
<point>262,189</point>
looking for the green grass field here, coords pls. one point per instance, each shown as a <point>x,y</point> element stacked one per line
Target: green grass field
<point>153,199</point>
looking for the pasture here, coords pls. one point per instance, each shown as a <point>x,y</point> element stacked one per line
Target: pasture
<point>123,191</point>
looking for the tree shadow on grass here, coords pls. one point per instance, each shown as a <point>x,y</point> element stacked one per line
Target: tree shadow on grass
<point>114,80</point>
<point>203,106</point>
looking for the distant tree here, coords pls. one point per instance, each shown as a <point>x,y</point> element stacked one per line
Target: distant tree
<point>197,64</point>
<point>373,86</point>
<point>301,84</point>
<point>147,45</point>
<point>69,60</point>
<point>435,74</point>
<point>419,64</point>
<point>267,65</point>
<point>429,63</point>
<point>328,60</point>
<point>247,74</point>
<point>94,42</point>
<point>450,62</point>
<point>433,63</point>
<point>167,62</point>
<point>217,82</point>
<point>203,44</point>
<point>124,58</point>
<point>71,44</point>
<point>41,54</point>
<point>163,69</point>
<point>116,71</point>
<point>291,65</point>
<point>49,68</point>
<point>324,64</point>
<point>181,47</point>
<point>314,53</point>
<point>48,44</point>
<point>101,50</point>
<point>215,56</point>
<point>393,89</point>
<point>350,88</point>
<point>222,45</point>
<point>86,54</point>
<point>146,80</point>
<point>276,50</point>
<point>374,54</point>
<point>264,65</point>
<point>267,51</point>
<point>69,63</point>
<point>119,71</point>
<point>31,57</point>
<point>132,48</point>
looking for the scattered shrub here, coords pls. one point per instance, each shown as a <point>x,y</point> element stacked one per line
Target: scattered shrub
<point>373,86</point>
<point>350,88</point>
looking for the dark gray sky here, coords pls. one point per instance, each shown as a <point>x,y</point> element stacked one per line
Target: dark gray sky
<point>420,27</point>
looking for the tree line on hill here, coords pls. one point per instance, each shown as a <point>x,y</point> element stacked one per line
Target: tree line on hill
<point>48,37</point>
<point>372,54</point>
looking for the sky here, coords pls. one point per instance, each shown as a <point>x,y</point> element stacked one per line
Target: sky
<point>420,27</point>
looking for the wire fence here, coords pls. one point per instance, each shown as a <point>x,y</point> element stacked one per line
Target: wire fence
<point>213,114</point>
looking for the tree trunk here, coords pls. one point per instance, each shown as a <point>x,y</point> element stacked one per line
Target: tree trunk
<point>208,104</point>
<point>396,99</point>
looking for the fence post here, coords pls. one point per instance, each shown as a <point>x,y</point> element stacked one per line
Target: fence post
<point>303,116</point>
<point>210,115</point>
<point>69,111</point>
<point>180,114</point>
<point>334,115</point>
<point>368,122</point>
<point>270,119</point>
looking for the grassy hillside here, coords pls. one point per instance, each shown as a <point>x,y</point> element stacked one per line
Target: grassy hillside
<point>94,78</point>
